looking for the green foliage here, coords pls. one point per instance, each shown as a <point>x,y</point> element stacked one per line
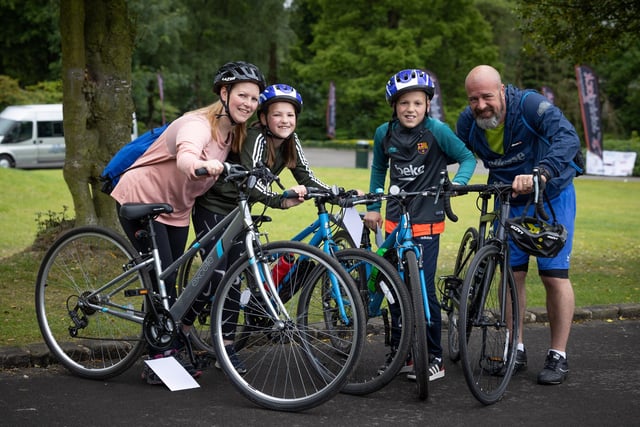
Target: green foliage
<point>580,30</point>
<point>313,42</point>
<point>42,93</point>
<point>30,40</point>
<point>50,224</point>
<point>359,52</point>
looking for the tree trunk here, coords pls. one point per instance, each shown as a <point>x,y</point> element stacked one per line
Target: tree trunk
<point>97,46</point>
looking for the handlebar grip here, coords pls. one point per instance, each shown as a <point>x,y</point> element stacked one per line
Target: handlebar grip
<point>538,188</point>
<point>201,172</point>
<point>447,208</point>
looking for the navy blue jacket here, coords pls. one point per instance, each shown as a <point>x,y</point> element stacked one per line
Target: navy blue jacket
<point>523,149</point>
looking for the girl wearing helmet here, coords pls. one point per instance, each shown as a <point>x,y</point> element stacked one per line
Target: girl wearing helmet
<point>165,173</point>
<point>273,142</point>
<point>415,148</point>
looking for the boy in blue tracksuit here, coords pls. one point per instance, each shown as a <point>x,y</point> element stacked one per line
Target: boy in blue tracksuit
<point>512,131</point>
<point>415,148</point>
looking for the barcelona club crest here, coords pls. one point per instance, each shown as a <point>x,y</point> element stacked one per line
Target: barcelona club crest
<point>423,147</point>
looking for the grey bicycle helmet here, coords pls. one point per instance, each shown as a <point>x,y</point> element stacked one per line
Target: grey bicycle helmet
<point>235,72</point>
<point>408,80</point>
<point>536,237</point>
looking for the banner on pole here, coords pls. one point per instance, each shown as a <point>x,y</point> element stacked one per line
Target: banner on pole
<point>331,112</point>
<point>590,109</point>
<point>436,111</point>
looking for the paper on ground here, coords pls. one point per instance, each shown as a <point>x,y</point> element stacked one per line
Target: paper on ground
<point>172,373</point>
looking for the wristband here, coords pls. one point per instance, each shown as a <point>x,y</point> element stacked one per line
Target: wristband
<point>544,172</point>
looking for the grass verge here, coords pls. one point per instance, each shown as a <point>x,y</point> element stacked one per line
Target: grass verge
<point>605,263</point>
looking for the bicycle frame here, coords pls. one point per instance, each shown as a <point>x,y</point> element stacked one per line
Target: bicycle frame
<point>320,232</point>
<point>401,238</point>
<point>499,240</point>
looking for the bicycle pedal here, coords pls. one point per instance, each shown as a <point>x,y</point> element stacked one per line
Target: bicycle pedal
<point>135,292</point>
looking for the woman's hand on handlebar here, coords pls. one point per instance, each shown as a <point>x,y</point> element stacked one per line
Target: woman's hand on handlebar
<point>209,168</point>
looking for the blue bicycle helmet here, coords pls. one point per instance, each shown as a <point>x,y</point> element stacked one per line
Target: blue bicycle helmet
<point>236,72</point>
<point>408,80</point>
<point>279,93</point>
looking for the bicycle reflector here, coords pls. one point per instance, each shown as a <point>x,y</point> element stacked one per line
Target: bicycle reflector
<point>537,237</point>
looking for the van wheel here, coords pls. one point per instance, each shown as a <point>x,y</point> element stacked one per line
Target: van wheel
<point>6,161</point>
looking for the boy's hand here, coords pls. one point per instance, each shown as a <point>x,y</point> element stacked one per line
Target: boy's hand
<point>373,220</point>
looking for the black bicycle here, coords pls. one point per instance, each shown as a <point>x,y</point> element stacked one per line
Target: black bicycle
<point>481,296</point>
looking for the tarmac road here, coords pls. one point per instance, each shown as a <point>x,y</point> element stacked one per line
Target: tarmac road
<point>602,389</point>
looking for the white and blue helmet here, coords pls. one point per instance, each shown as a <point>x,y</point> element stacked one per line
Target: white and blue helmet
<point>280,93</point>
<point>409,80</point>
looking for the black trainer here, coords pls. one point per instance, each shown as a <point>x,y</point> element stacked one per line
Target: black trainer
<point>519,365</point>
<point>555,371</point>
<point>406,368</point>
<point>521,361</point>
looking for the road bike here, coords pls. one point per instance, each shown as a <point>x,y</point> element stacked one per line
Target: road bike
<point>481,296</point>
<point>98,310</point>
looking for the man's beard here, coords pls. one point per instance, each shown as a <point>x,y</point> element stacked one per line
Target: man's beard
<point>491,122</point>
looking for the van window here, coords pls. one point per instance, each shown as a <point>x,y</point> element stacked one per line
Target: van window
<point>50,129</point>
<point>14,132</point>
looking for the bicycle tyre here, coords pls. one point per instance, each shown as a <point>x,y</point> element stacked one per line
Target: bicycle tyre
<point>488,346</point>
<point>419,348</point>
<point>466,251</point>
<point>292,365</point>
<point>367,376</point>
<point>89,342</point>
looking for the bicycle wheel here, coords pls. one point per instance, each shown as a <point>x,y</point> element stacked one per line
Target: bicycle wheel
<point>200,334</point>
<point>466,251</point>
<point>291,361</point>
<point>80,296</point>
<point>343,239</point>
<point>419,349</point>
<point>488,346</point>
<point>380,287</point>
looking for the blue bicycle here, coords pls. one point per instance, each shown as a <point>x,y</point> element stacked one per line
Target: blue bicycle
<point>401,249</point>
<point>381,290</point>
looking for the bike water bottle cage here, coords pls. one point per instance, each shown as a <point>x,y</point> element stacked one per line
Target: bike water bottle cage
<point>406,81</point>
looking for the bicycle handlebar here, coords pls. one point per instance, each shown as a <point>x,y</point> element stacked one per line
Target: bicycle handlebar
<point>237,173</point>
<point>447,190</point>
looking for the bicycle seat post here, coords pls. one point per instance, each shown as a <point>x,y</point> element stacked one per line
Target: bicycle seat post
<point>157,264</point>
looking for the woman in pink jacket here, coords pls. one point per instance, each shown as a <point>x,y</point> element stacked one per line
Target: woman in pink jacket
<point>165,173</point>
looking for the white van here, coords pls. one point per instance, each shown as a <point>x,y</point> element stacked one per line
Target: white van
<point>32,136</point>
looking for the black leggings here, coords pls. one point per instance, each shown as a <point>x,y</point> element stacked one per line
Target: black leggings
<point>171,241</point>
<point>203,221</point>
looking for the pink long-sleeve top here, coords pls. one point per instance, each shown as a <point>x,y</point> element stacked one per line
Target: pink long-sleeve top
<point>165,173</point>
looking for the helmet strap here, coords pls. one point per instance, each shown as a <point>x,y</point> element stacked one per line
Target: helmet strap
<point>225,105</point>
